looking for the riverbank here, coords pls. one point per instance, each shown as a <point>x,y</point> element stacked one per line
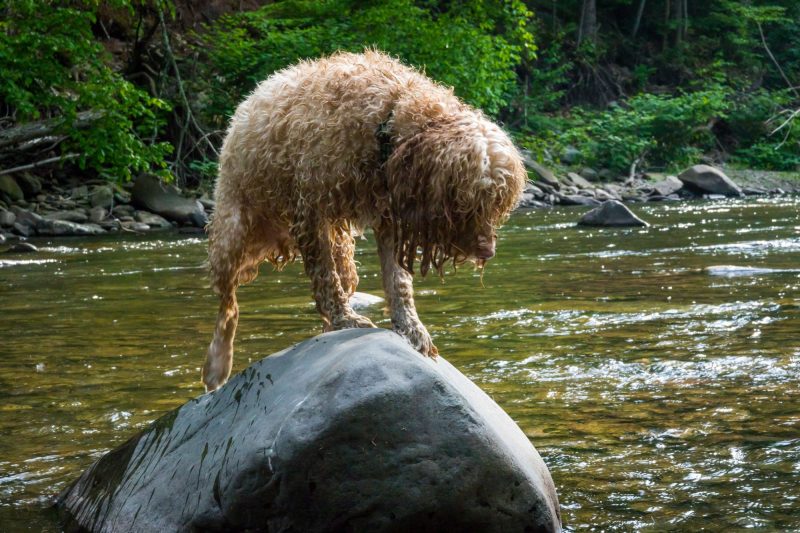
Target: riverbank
<point>589,187</point>
<point>31,208</point>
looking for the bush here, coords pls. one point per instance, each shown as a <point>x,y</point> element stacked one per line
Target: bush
<point>53,68</point>
<point>473,46</point>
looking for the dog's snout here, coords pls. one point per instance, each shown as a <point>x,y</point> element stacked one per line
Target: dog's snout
<point>485,248</point>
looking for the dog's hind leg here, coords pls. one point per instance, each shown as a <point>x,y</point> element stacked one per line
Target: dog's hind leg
<point>316,240</point>
<point>227,258</point>
<point>399,289</point>
<point>344,249</point>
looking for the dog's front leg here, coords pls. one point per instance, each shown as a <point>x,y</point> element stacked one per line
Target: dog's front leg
<point>314,239</point>
<point>399,289</point>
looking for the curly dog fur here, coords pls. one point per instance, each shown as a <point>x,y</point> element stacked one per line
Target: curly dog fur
<point>323,149</point>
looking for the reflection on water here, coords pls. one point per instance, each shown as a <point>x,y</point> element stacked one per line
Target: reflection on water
<point>656,369</point>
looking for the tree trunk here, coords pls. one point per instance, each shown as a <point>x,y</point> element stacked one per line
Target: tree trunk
<point>587,30</point>
<point>638,21</point>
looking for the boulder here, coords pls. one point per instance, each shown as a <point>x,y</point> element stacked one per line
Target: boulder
<point>165,200</point>
<point>611,213</point>
<point>10,189</point>
<point>349,431</point>
<point>707,179</point>
<point>668,185</point>
<point>30,184</point>
<point>102,196</point>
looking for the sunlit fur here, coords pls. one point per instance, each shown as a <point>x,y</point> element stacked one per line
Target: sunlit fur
<point>301,173</point>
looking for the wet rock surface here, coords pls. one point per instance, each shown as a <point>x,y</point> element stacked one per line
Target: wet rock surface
<point>611,213</point>
<point>349,431</point>
<point>151,194</point>
<point>707,179</point>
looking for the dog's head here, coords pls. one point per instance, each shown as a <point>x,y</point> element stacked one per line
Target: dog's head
<point>451,185</point>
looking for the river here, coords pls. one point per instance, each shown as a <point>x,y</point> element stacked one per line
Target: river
<point>656,370</point>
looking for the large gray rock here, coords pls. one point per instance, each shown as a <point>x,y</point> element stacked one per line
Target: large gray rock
<point>710,180</point>
<point>165,200</point>
<point>349,431</point>
<point>611,213</point>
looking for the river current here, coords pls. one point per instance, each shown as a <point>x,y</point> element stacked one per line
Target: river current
<point>656,370</point>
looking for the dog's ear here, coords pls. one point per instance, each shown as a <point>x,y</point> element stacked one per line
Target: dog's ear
<point>457,175</point>
<point>432,177</point>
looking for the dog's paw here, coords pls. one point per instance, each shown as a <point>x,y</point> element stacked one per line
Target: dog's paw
<point>352,321</point>
<point>421,340</point>
<point>216,369</point>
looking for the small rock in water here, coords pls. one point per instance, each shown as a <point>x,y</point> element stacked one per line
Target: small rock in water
<point>611,213</point>
<point>23,248</point>
<point>360,300</point>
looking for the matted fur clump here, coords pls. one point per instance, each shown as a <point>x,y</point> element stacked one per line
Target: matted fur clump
<point>323,149</point>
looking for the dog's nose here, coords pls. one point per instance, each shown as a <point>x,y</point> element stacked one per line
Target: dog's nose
<point>485,249</point>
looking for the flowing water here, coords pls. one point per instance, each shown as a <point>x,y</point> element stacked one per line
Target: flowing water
<point>656,370</point>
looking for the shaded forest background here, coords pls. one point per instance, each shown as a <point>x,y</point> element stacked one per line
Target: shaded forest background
<point>111,89</point>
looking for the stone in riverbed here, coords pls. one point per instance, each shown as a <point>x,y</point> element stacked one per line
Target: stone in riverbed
<point>362,300</point>
<point>102,196</point>
<point>611,213</point>
<point>577,199</point>
<point>707,179</point>
<point>75,215</point>
<point>669,185</point>
<point>349,431</point>
<point>22,248</point>
<point>97,214</point>
<point>152,220</point>
<point>66,228</point>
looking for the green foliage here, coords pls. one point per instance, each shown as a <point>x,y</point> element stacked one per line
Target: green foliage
<point>752,124</point>
<point>472,46</point>
<point>53,68</point>
<point>655,130</point>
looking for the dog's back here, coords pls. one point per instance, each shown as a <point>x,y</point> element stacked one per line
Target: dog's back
<point>313,127</point>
